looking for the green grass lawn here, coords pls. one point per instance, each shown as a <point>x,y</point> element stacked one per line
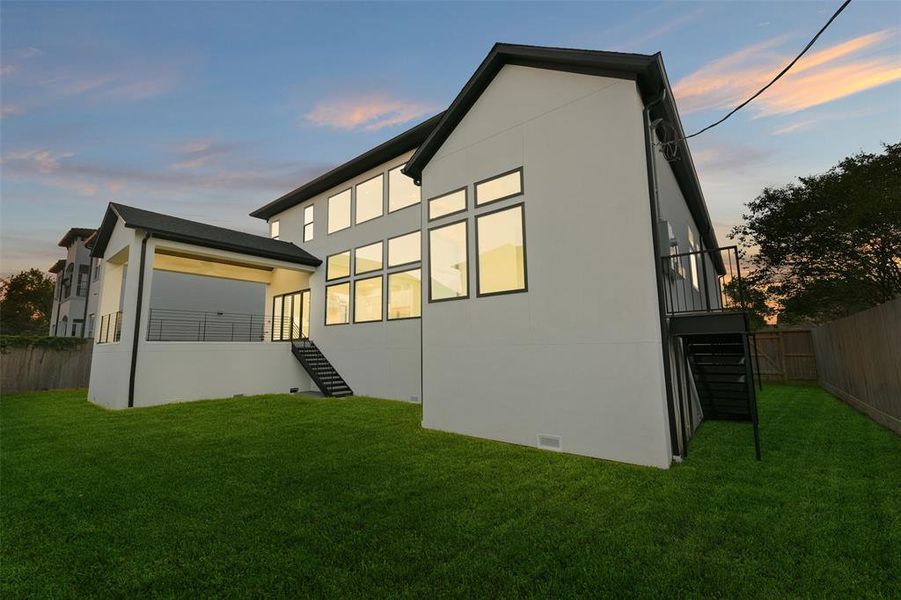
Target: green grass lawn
<point>279,495</point>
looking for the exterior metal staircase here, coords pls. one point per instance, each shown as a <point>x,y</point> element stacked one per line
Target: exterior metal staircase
<point>321,371</point>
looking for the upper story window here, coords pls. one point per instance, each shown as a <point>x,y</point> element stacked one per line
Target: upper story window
<point>447,204</point>
<point>308,223</point>
<point>402,192</point>
<point>498,188</point>
<point>273,230</point>
<point>339,211</point>
<point>370,199</point>
<point>404,294</point>
<point>448,262</point>
<point>368,258</point>
<point>368,299</point>
<point>337,266</point>
<point>500,242</point>
<point>404,249</point>
<point>96,269</point>
<point>67,280</point>
<point>83,276</point>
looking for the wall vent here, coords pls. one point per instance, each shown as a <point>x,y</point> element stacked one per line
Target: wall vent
<point>293,390</point>
<point>550,442</point>
<point>414,398</point>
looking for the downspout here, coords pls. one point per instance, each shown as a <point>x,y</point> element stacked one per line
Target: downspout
<point>137,329</point>
<point>59,299</point>
<point>658,268</point>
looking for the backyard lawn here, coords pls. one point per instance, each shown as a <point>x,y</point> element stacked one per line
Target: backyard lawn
<point>281,495</point>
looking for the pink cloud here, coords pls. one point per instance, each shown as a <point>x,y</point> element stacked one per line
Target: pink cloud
<point>820,77</point>
<point>369,113</point>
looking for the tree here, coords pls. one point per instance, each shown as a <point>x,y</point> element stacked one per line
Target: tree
<point>752,298</point>
<point>26,301</point>
<point>829,245</point>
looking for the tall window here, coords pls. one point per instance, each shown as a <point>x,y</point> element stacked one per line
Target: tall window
<point>67,280</point>
<point>404,249</point>
<point>339,211</point>
<point>337,265</point>
<point>368,300</point>
<point>693,260</point>
<point>337,304</point>
<point>500,242</point>
<point>83,276</point>
<point>405,294</point>
<point>402,192</point>
<point>308,223</point>
<point>448,269</point>
<point>498,188</point>
<point>368,258</point>
<point>370,200</point>
<point>96,269</point>
<point>447,204</point>
<point>273,230</point>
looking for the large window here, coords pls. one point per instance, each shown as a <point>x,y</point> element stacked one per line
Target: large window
<point>402,192</point>
<point>337,304</point>
<point>83,276</point>
<point>499,188</point>
<point>308,223</point>
<point>404,249</point>
<point>274,230</point>
<point>368,258</point>
<point>339,211</point>
<point>368,300</point>
<point>447,204</point>
<point>337,266</point>
<point>448,269</point>
<point>68,274</point>
<point>405,294</point>
<point>370,201</point>
<point>502,260</point>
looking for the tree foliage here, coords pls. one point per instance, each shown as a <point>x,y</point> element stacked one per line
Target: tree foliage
<point>829,245</point>
<point>26,301</point>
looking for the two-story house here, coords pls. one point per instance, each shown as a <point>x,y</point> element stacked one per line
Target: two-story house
<point>74,301</point>
<point>534,265</point>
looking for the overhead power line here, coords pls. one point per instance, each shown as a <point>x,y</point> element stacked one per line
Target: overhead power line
<point>776,78</point>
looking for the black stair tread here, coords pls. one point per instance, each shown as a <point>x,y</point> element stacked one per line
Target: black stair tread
<point>320,369</point>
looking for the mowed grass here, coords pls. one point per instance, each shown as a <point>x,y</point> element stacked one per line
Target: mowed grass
<point>281,495</point>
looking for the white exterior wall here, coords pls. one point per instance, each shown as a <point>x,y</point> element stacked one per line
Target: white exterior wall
<point>179,371</point>
<point>579,355</point>
<point>73,307</point>
<point>379,359</point>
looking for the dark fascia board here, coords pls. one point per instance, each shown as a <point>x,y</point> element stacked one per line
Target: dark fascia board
<point>114,212</point>
<point>58,266</point>
<point>646,70</point>
<point>76,232</point>
<point>404,142</point>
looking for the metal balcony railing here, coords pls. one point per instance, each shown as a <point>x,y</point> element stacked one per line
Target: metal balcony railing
<point>692,284</point>
<point>175,325</point>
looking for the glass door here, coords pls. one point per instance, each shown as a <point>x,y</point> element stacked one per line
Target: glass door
<point>291,316</point>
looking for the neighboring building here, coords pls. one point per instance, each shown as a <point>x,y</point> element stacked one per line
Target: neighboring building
<point>530,265</point>
<point>74,300</point>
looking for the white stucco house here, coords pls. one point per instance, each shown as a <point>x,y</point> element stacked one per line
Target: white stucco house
<point>74,298</point>
<point>534,265</point>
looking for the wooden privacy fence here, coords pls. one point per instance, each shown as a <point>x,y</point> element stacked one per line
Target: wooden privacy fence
<point>39,368</point>
<point>859,360</point>
<point>786,355</point>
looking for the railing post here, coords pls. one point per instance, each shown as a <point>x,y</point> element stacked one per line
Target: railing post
<point>203,336</point>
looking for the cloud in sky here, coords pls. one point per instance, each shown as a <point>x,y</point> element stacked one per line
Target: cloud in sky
<point>11,110</point>
<point>367,113</point>
<point>835,72</point>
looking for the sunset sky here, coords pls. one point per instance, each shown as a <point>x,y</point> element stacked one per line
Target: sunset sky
<point>209,110</point>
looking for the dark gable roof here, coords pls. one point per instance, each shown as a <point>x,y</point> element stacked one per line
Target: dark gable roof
<point>58,266</point>
<point>396,146</point>
<point>76,232</point>
<point>199,234</point>
<point>646,70</point>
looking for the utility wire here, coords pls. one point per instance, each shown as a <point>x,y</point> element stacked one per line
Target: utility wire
<point>776,78</point>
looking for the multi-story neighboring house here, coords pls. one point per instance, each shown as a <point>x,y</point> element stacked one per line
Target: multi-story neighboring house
<point>534,265</point>
<point>76,293</point>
